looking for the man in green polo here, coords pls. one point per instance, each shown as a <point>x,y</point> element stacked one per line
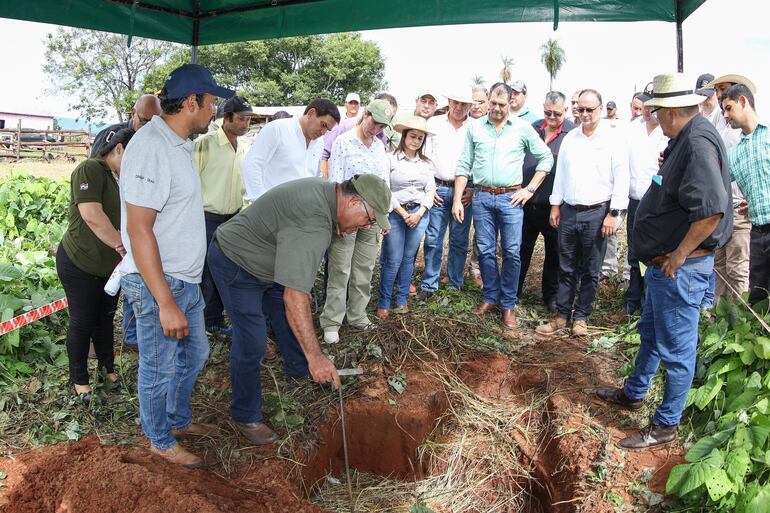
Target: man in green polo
<point>264,262</point>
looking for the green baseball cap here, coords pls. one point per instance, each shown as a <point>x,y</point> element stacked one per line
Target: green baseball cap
<point>381,111</point>
<point>376,193</point>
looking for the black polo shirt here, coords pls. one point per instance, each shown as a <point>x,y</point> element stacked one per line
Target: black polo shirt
<point>693,184</point>
<point>543,193</point>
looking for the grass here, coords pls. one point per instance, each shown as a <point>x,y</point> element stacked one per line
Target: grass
<point>56,168</point>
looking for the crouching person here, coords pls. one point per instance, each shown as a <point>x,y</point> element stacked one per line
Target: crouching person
<point>684,216</point>
<point>164,234</point>
<point>264,262</point>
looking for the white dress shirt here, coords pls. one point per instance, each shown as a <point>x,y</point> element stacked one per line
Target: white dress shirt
<point>350,156</point>
<point>593,169</point>
<point>730,136</point>
<point>280,154</point>
<point>445,146</point>
<point>644,150</point>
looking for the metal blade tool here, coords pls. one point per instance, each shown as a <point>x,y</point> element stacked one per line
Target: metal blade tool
<point>347,372</point>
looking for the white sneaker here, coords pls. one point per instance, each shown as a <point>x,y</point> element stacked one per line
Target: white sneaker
<point>331,336</point>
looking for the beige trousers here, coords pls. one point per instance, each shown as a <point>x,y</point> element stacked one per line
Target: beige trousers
<point>732,260</point>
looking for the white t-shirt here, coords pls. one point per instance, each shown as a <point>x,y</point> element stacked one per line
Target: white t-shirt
<point>445,146</point>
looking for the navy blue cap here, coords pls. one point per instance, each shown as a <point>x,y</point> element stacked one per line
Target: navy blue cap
<point>193,79</point>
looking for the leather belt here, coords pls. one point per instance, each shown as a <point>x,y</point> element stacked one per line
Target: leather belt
<point>584,208</point>
<point>661,259</point>
<point>218,218</point>
<point>499,190</point>
<point>410,205</point>
<point>445,183</point>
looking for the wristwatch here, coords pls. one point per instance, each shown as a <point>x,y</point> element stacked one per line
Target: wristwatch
<point>614,212</point>
<point>531,189</point>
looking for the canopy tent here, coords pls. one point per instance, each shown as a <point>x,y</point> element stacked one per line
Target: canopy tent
<point>202,22</point>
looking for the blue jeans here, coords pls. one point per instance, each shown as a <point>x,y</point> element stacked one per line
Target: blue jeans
<point>399,248</point>
<point>249,301</point>
<point>214,312</point>
<point>441,218</point>
<point>168,367</point>
<point>669,334</point>
<point>129,323</point>
<point>493,214</point>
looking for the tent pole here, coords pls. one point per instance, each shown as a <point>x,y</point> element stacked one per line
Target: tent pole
<point>196,31</point>
<point>679,44</point>
<point>194,54</point>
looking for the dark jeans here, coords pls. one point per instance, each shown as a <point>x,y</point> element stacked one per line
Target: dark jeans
<point>536,223</point>
<point>249,301</point>
<point>581,247</point>
<point>759,264</point>
<point>214,311</point>
<point>635,293</point>
<point>91,314</point>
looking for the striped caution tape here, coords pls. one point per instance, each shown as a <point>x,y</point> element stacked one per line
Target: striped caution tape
<point>30,317</point>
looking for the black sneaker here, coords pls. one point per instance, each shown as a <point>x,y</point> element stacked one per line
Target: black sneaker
<point>619,397</point>
<point>649,437</point>
<point>423,295</point>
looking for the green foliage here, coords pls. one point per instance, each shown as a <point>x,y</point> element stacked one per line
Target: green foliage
<point>34,214</point>
<point>288,71</point>
<point>728,406</point>
<point>397,382</point>
<point>100,69</point>
<point>420,507</point>
<point>283,410</point>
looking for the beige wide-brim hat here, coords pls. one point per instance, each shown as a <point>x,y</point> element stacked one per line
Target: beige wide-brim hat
<point>732,78</point>
<point>458,98</point>
<point>412,123</point>
<point>673,90</point>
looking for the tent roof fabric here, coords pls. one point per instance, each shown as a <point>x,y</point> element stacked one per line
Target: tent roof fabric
<point>224,21</point>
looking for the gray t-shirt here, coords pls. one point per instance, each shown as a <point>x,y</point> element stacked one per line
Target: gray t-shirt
<point>158,172</point>
<point>281,238</point>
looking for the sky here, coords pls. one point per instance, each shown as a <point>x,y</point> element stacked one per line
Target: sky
<point>617,59</point>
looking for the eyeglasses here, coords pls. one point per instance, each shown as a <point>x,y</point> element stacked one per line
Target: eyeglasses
<point>587,109</point>
<point>554,113</point>
<point>654,112</point>
<point>369,221</point>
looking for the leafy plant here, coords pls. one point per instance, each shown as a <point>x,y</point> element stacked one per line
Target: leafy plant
<point>283,410</point>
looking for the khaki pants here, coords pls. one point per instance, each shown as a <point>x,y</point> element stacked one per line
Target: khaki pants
<point>732,260</point>
<point>351,263</point>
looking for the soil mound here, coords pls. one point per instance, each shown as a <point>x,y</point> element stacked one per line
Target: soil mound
<point>100,478</point>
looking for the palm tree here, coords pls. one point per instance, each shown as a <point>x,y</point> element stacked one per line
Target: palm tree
<point>553,57</point>
<point>478,80</point>
<point>505,73</point>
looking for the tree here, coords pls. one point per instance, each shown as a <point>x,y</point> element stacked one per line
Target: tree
<point>553,57</point>
<point>100,70</point>
<point>505,73</point>
<point>289,71</point>
<point>478,80</point>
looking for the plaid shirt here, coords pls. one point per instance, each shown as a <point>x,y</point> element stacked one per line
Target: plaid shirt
<point>750,168</point>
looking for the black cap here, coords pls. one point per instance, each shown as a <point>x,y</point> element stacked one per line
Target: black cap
<point>702,81</point>
<point>611,105</point>
<point>238,105</point>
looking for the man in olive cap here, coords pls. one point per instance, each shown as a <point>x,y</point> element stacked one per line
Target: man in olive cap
<point>264,262</point>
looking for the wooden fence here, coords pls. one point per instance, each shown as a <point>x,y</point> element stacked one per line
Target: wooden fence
<point>21,143</point>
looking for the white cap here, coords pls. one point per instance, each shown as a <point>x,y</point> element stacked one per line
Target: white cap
<point>352,97</point>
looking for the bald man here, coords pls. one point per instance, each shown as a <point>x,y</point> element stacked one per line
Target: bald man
<point>145,108</point>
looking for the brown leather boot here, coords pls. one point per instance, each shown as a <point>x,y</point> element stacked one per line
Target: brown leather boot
<point>556,325</point>
<point>619,397</point>
<point>484,309</point>
<point>195,430</point>
<point>579,329</point>
<point>509,319</point>
<point>382,313</point>
<point>257,433</point>
<point>649,437</point>
<point>178,455</point>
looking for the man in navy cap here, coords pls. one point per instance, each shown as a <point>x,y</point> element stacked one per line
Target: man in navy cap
<point>164,233</point>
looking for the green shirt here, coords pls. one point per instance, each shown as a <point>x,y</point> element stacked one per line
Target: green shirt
<point>750,169</point>
<point>494,159</point>
<point>92,182</point>
<point>283,235</point>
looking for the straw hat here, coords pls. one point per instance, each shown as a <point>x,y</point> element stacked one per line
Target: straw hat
<point>413,123</point>
<point>458,97</point>
<point>733,78</point>
<point>673,90</point>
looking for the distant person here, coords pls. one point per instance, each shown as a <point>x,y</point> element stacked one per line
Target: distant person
<point>288,149</point>
<point>145,107</point>
<point>164,230</point>
<point>425,105</point>
<point>352,105</point>
<point>480,105</point>
<point>573,106</point>
<point>519,102</point>
<point>612,110</point>
<point>413,189</point>
<point>492,160</point>
<point>88,253</point>
<point>552,130</point>
<point>637,105</point>
<point>281,114</point>
<point>219,159</point>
